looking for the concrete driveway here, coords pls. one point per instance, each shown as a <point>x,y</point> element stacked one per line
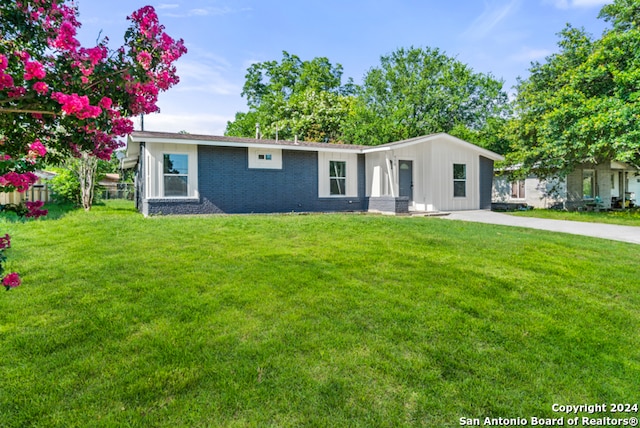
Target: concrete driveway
<point>597,230</point>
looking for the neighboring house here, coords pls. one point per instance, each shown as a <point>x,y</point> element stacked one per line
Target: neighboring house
<point>198,174</point>
<point>588,186</point>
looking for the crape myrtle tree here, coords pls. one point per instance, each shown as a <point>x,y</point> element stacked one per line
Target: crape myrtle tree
<point>60,99</point>
<point>582,105</point>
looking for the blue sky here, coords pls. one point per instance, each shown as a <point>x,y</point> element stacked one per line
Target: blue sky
<point>224,37</point>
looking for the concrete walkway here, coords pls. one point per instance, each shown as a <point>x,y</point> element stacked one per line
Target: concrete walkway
<point>597,230</point>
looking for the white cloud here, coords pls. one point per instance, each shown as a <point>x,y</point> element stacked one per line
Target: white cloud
<point>572,4</point>
<point>168,6</point>
<point>205,78</point>
<point>493,14</point>
<point>530,54</point>
<point>208,11</point>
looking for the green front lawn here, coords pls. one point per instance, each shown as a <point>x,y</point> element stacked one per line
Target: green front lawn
<point>309,320</point>
<point>625,218</point>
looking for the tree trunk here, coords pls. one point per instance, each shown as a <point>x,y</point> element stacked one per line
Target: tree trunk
<point>87,175</point>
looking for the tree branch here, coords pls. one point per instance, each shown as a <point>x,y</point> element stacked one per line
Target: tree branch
<point>17,110</point>
<point>115,73</point>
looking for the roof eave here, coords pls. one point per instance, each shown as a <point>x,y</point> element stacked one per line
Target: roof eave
<point>204,140</point>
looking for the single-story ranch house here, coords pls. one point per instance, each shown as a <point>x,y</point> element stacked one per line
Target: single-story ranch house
<point>602,185</point>
<point>199,174</point>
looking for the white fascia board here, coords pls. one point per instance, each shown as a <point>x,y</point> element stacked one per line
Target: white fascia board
<point>420,140</point>
<point>245,144</point>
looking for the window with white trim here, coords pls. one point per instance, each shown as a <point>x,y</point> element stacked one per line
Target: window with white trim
<point>337,178</point>
<point>176,175</point>
<point>517,189</point>
<point>459,180</point>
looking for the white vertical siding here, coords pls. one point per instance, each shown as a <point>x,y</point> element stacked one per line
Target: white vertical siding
<point>416,154</point>
<point>445,155</point>
<point>433,161</point>
<point>154,163</point>
<point>351,159</point>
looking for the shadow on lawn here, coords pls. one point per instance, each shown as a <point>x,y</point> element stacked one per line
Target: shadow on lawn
<point>56,211</point>
<point>60,210</point>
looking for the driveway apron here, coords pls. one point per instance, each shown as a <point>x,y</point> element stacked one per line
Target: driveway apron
<point>596,230</point>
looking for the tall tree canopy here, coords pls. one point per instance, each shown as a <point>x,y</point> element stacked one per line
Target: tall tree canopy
<point>583,103</point>
<point>420,91</point>
<point>294,98</point>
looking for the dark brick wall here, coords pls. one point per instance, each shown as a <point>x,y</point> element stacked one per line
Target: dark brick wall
<point>227,185</point>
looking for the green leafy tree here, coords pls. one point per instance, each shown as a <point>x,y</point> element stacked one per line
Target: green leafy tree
<point>421,91</point>
<point>583,103</point>
<point>67,185</point>
<point>294,98</point>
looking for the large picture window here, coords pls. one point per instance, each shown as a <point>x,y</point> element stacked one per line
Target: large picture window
<point>459,180</point>
<point>176,175</point>
<point>337,177</point>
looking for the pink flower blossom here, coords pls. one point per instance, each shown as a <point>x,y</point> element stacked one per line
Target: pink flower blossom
<point>23,55</point>
<point>147,19</point>
<point>121,126</point>
<point>17,92</point>
<point>4,62</point>
<point>33,70</point>
<point>41,88</point>
<point>34,209</point>
<point>38,148</point>
<point>144,58</point>
<point>6,81</point>
<point>94,55</point>
<point>143,98</point>
<point>104,144</point>
<point>66,39</point>
<point>12,280</point>
<point>20,182</point>
<point>105,103</point>
<point>76,105</point>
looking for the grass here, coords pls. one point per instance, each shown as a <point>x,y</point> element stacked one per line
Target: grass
<point>309,320</point>
<point>625,218</point>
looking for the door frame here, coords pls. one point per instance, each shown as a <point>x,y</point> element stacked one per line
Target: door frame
<point>410,163</point>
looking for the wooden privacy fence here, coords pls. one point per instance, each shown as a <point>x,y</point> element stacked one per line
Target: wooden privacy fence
<point>37,192</point>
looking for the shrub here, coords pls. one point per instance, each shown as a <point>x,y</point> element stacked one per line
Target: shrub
<point>65,186</point>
